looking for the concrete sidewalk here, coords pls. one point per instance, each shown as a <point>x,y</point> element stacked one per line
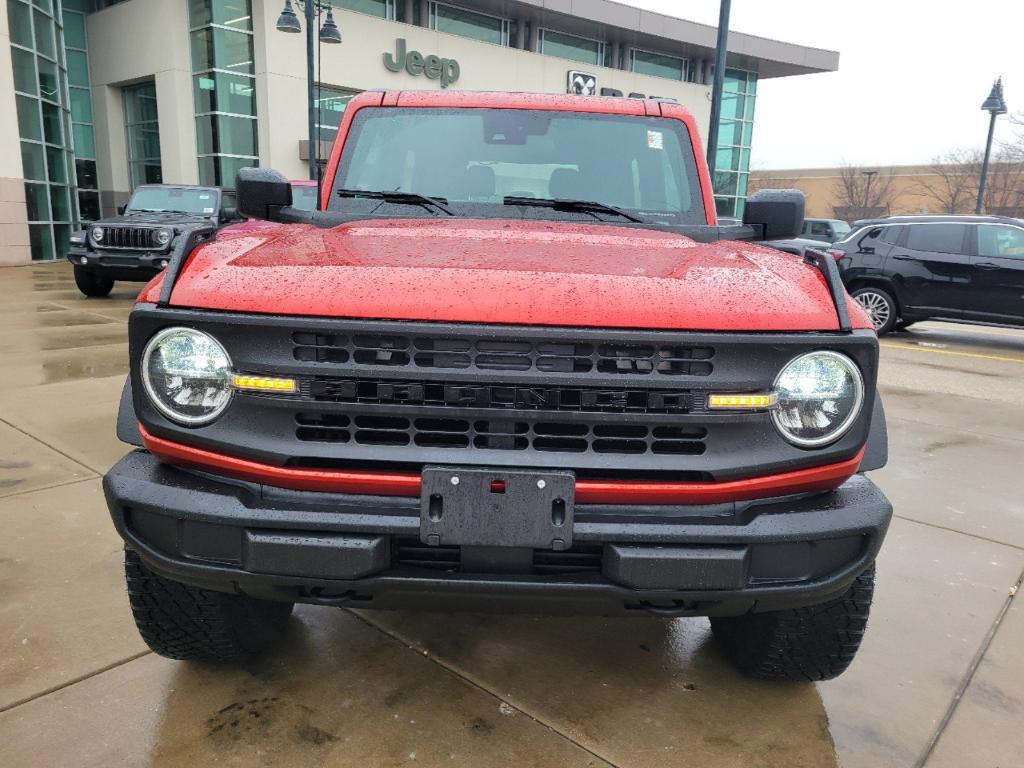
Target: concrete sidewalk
<point>938,682</point>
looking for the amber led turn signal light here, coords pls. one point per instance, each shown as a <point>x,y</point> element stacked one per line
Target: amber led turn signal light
<point>741,402</point>
<point>263,383</point>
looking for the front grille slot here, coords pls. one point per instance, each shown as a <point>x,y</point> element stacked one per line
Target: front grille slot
<point>499,434</point>
<point>487,354</point>
<point>133,238</point>
<point>455,394</point>
<point>581,559</point>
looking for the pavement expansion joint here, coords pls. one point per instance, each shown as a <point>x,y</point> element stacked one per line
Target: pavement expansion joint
<point>457,673</point>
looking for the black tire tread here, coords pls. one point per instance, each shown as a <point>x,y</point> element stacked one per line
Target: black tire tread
<point>190,623</point>
<point>91,284</point>
<point>816,642</point>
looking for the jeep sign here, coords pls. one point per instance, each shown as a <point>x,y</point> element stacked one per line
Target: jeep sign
<point>415,63</point>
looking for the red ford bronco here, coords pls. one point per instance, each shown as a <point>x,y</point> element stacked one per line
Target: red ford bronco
<point>512,362</point>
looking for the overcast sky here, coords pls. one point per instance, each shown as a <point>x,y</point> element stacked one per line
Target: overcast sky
<point>911,80</point>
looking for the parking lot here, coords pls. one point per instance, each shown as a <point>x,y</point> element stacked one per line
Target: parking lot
<point>938,682</point>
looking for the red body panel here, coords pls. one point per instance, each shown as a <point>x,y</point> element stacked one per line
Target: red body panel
<point>499,271</point>
<point>816,479</point>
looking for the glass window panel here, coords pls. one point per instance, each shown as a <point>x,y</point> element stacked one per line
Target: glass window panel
<point>659,65</point>
<point>51,123</point>
<point>215,48</point>
<point>940,238</point>
<point>725,206</point>
<point>60,205</point>
<point>571,47</point>
<point>28,118</point>
<point>748,110</point>
<point>729,132</point>
<point>89,205</point>
<point>732,105</point>
<point>752,83</point>
<point>478,26</point>
<point>20,21</point>
<point>229,13</point>
<point>748,130</point>
<point>221,171</point>
<point>330,107</point>
<point>725,183</point>
<point>140,104</point>
<point>61,239</point>
<point>44,35</point>
<point>741,185</point>
<point>24,66</point>
<point>224,92</point>
<point>735,81</point>
<point>84,140</point>
<point>81,105</point>
<point>373,7</point>
<point>55,167</point>
<point>36,203</point>
<point>744,160</point>
<point>85,173</point>
<point>49,81</point>
<point>41,241</point>
<point>74,29</point>
<point>78,68</point>
<point>222,134</point>
<point>46,5</point>
<point>32,161</point>
<point>85,6</point>
<point>727,159</point>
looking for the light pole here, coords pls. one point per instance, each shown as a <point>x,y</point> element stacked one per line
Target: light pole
<point>995,106</point>
<point>329,33</point>
<point>867,192</point>
<point>716,89</point>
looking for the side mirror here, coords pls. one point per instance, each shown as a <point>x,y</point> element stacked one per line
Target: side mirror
<point>261,192</point>
<point>121,209</point>
<point>229,214</point>
<point>778,213</point>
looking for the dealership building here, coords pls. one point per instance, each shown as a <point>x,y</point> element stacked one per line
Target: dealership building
<point>99,96</point>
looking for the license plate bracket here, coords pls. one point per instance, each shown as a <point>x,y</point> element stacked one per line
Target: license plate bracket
<point>497,508</point>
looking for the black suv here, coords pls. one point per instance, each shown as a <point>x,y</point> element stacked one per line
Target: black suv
<point>136,244</point>
<point>902,269</point>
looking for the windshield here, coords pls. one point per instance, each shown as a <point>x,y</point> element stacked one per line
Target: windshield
<point>840,229</point>
<point>203,202</point>
<point>478,161</point>
<point>304,197</point>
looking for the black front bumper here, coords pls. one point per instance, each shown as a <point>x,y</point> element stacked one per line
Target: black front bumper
<point>365,551</point>
<point>135,266</point>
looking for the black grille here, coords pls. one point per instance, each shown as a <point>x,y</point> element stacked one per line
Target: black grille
<point>413,553</point>
<point>452,394</point>
<point>399,350</point>
<point>496,434</point>
<point>139,238</point>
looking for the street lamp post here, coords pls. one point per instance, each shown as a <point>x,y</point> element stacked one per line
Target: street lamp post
<point>867,192</point>
<point>995,106</point>
<point>719,83</point>
<point>329,33</point>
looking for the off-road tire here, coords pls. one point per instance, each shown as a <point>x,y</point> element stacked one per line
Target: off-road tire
<point>91,284</point>
<point>892,309</point>
<point>189,623</point>
<point>813,643</point>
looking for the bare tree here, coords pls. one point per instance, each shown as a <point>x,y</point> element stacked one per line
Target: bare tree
<point>952,180</point>
<point>862,193</point>
<point>1004,190</point>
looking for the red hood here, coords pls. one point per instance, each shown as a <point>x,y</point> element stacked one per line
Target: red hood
<point>499,271</point>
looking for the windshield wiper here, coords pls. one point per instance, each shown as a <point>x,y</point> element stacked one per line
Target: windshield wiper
<point>585,206</point>
<point>394,196</point>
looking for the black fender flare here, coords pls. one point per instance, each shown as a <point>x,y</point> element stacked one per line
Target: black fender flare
<point>876,449</point>
<point>127,422</point>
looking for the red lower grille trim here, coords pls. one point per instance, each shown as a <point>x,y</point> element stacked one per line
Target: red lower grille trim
<point>822,478</point>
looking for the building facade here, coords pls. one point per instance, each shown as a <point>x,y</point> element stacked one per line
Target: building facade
<point>99,96</point>
<point>901,189</point>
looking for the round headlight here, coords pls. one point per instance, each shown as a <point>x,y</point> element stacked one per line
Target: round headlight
<point>163,236</point>
<point>97,234</point>
<point>186,375</point>
<point>818,397</point>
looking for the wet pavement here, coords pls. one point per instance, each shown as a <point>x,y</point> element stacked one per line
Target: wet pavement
<point>938,682</point>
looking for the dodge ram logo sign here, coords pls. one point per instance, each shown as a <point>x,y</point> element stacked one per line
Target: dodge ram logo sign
<point>582,83</point>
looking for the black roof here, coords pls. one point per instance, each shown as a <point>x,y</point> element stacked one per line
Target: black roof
<point>953,218</point>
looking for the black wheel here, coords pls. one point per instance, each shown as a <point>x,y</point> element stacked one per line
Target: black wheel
<point>813,643</point>
<point>92,284</point>
<point>183,622</point>
<point>880,306</point>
